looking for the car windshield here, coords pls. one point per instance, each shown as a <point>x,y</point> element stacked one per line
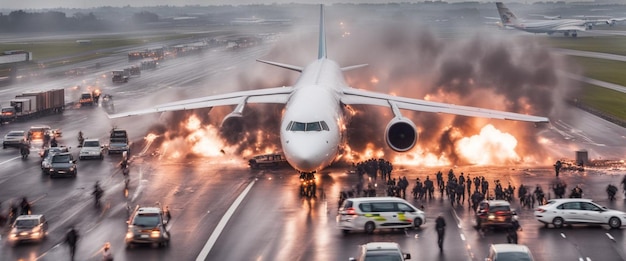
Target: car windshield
<point>499,208</point>
<point>513,256</point>
<point>61,159</point>
<point>15,134</point>
<point>118,140</point>
<point>383,256</point>
<point>146,220</point>
<point>91,144</point>
<point>25,223</point>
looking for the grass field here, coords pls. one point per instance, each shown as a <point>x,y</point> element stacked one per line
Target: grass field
<point>602,44</point>
<point>46,50</point>
<point>602,69</point>
<point>606,100</point>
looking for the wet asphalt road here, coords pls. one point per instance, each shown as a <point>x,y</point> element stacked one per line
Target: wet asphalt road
<point>272,222</point>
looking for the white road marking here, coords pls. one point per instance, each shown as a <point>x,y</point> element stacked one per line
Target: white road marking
<point>610,237</point>
<point>222,224</point>
<point>11,159</point>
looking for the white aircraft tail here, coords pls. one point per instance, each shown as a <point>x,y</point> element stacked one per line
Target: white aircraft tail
<point>506,16</point>
<point>321,50</point>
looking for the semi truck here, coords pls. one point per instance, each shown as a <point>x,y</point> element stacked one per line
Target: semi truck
<point>35,104</point>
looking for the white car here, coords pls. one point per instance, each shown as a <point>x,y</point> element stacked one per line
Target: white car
<point>502,252</point>
<point>368,214</point>
<point>578,211</point>
<point>381,251</point>
<point>91,149</point>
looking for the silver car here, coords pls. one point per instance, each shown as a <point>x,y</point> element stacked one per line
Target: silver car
<point>46,157</point>
<point>28,228</point>
<point>13,139</point>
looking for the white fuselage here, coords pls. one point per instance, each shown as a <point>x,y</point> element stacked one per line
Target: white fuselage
<point>308,144</point>
<point>548,26</point>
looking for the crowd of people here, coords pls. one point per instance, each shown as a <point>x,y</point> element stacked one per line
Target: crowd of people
<point>457,189</point>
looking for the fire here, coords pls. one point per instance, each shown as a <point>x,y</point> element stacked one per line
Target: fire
<point>193,137</point>
<point>491,146</point>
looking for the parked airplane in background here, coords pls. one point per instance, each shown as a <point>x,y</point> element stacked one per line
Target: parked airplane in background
<point>566,26</point>
<point>313,122</point>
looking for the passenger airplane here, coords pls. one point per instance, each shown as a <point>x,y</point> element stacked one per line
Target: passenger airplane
<point>312,125</point>
<point>566,26</point>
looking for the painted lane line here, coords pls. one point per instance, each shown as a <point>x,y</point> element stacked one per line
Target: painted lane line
<point>9,160</point>
<point>610,237</point>
<point>222,224</point>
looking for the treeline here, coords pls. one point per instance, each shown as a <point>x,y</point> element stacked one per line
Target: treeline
<point>55,21</point>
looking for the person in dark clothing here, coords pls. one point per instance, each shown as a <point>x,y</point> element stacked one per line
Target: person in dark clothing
<point>167,214</point>
<point>511,236</point>
<point>25,205</point>
<point>440,225</point>
<point>71,238</point>
<point>557,167</point>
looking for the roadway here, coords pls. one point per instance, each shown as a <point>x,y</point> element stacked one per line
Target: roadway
<point>271,221</point>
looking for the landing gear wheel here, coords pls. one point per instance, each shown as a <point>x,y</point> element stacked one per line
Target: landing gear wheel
<point>615,223</point>
<point>369,227</point>
<point>557,222</point>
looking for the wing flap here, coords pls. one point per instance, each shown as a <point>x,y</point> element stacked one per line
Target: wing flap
<point>355,96</point>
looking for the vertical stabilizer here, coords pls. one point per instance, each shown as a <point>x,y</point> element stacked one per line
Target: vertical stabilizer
<point>321,51</point>
<point>506,16</point>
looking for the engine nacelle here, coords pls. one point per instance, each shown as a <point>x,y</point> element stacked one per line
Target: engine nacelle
<point>232,127</point>
<point>401,134</point>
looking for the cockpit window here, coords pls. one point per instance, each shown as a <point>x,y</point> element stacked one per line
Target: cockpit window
<point>313,126</point>
<point>298,126</point>
<point>324,126</point>
<point>309,126</point>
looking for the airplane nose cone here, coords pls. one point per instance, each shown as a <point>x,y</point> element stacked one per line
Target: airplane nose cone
<point>306,154</point>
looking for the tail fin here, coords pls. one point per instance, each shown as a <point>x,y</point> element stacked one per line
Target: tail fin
<point>506,16</point>
<point>321,51</point>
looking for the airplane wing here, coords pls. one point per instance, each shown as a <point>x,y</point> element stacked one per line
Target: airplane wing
<point>271,95</point>
<point>353,96</point>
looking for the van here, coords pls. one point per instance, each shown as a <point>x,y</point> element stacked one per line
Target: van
<point>369,214</point>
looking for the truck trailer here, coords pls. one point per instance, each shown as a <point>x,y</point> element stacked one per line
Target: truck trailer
<point>35,104</point>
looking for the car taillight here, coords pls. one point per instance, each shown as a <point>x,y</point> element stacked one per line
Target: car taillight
<point>540,210</point>
<point>350,211</point>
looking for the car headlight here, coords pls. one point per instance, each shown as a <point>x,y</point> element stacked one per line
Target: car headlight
<point>72,168</point>
<point>492,216</point>
<point>155,234</point>
<point>51,169</point>
<point>129,235</point>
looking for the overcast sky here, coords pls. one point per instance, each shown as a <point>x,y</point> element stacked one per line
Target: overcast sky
<point>41,4</point>
<point>44,4</point>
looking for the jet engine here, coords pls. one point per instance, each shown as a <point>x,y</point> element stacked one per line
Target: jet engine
<point>401,134</point>
<point>232,127</point>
